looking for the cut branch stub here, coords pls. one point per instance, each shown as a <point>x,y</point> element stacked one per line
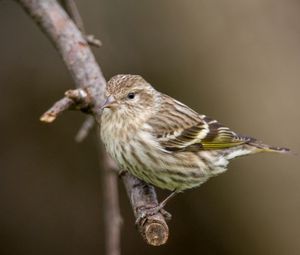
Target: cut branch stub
<point>74,99</point>
<point>92,40</point>
<point>153,228</point>
<point>58,108</point>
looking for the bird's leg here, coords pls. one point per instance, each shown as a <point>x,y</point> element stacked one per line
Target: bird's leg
<point>164,202</point>
<point>159,208</point>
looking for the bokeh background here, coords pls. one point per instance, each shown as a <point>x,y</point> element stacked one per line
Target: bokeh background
<point>237,61</point>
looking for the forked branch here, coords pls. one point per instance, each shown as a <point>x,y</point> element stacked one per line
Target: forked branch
<point>80,61</point>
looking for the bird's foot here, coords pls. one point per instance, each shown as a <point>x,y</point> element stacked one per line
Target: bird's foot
<point>145,212</point>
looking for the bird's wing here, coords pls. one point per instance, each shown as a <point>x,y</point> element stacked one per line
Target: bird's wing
<point>179,128</point>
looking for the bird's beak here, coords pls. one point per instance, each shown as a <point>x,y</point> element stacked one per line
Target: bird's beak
<point>109,102</point>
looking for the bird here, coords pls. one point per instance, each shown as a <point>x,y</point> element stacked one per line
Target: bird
<point>163,141</point>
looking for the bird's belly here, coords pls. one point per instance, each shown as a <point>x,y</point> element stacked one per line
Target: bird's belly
<point>164,170</point>
<point>143,158</point>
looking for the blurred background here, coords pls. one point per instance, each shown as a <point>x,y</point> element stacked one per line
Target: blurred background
<point>236,61</point>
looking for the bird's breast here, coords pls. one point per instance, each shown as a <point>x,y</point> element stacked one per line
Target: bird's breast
<point>119,137</point>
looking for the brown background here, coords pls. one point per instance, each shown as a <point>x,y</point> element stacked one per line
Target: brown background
<point>237,61</point>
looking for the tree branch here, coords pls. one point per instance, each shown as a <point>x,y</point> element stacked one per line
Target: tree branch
<point>112,214</point>
<point>86,73</point>
<point>73,11</point>
<point>154,228</point>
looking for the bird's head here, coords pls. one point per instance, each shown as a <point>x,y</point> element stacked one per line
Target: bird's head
<point>130,95</point>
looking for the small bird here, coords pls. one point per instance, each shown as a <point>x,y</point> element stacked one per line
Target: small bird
<point>164,142</point>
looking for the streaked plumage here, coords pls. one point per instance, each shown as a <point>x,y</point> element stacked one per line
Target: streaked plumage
<point>164,142</point>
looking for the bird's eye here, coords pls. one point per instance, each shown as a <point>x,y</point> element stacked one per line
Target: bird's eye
<point>131,95</point>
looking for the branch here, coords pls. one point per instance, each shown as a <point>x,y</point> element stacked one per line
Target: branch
<point>85,128</point>
<point>74,99</point>
<point>58,108</point>
<point>154,228</point>
<point>86,73</point>
<point>73,11</point>
<point>112,214</point>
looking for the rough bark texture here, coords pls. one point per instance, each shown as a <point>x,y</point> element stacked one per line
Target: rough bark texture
<point>86,73</point>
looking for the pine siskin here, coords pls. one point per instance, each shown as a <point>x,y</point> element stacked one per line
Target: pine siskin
<point>164,142</point>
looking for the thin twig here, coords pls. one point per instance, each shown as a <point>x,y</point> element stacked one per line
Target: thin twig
<point>86,73</point>
<point>85,129</point>
<point>74,99</point>
<point>58,108</point>
<point>73,11</point>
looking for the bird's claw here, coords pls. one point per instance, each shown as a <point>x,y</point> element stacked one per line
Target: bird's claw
<point>167,215</point>
<point>144,213</point>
